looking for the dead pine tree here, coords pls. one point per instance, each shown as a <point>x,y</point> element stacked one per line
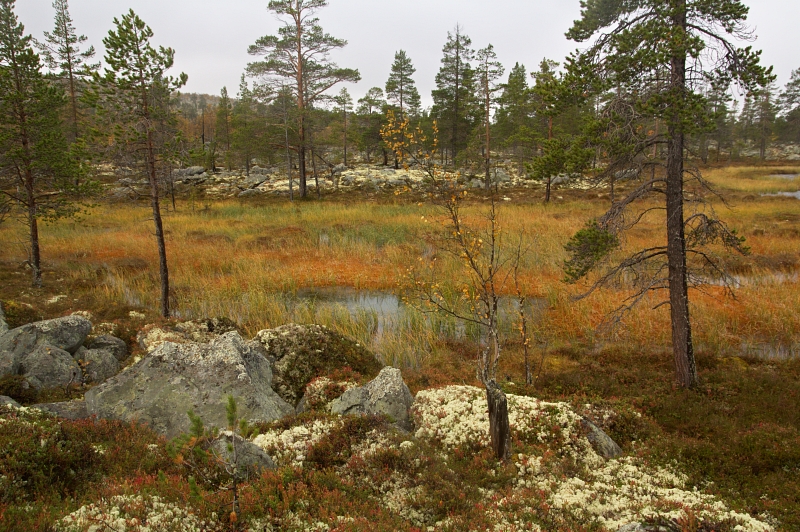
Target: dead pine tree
<point>476,242</point>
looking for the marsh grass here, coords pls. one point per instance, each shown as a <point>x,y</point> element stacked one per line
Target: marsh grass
<point>247,262</point>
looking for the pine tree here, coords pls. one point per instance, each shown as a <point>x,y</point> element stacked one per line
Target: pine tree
<point>37,171</point>
<point>790,104</point>
<point>370,113</point>
<point>345,102</point>
<point>62,53</point>
<point>635,43</point>
<point>137,92</point>
<point>401,91</point>
<point>548,102</point>
<point>300,53</point>
<point>489,70</point>
<point>454,96</point>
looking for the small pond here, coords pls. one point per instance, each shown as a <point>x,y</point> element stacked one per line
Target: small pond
<point>389,311</point>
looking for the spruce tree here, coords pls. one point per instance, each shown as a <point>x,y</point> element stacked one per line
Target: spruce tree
<point>62,53</point>
<point>136,91</point>
<point>37,171</point>
<point>401,91</point>
<point>635,45</point>
<point>454,96</point>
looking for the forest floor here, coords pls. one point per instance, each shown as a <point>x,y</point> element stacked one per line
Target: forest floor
<point>255,261</point>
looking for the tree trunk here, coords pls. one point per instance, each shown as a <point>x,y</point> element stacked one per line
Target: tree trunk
<point>301,108</point>
<point>162,248</point>
<point>683,351</point>
<point>549,178</point>
<point>36,262</point>
<point>487,155</point>
<point>345,142</point>
<point>498,421</point>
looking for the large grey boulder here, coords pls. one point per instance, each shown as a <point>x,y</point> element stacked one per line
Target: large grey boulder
<point>300,353</point>
<point>49,367</point>
<point>246,459</point>
<point>387,394</point>
<point>174,378</point>
<point>59,335</point>
<point>97,364</point>
<point>112,344</point>
<point>67,333</point>
<point>602,442</point>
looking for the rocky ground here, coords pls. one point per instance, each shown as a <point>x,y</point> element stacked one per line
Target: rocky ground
<point>273,181</point>
<point>313,400</point>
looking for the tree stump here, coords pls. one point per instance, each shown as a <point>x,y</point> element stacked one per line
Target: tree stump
<point>498,421</point>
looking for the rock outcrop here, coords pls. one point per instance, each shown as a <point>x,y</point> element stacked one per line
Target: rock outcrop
<point>49,367</point>
<point>112,344</point>
<point>67,409</point>
<point>386,395</point>
<point>42,351</point>
<point>7,401</point>
<point>199,331</point>
<point>602,442</point>
<point>174,378</point>
<point>300,353</point>
<point>97,364</point>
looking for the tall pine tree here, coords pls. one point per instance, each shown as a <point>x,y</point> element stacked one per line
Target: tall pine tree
<point>489,70</point>
<point>634,43</point>
<point>300,53</point>
<point>401,90</point>
<point>37,171</point>
<point>62,53</point>
<point>454,103</point>
<point>136,91</point>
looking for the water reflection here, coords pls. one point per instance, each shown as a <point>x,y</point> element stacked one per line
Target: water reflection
<point>389,311</point>
<point>795,195</point>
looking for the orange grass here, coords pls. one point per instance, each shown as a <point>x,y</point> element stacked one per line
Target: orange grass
<point>238,259</point>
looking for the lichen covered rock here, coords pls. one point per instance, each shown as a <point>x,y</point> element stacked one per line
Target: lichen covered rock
<point>387,395</point>
<point>197,331</point>
<point>299,353</point>
<point>174,378</point>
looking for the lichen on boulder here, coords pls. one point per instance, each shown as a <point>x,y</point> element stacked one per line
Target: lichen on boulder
<point>300,353</point>
<point>174,378</point>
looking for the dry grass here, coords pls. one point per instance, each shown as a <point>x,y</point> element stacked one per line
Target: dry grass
<point>246,261</point>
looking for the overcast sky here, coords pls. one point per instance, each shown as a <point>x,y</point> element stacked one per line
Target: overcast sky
<point>211,37</point>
